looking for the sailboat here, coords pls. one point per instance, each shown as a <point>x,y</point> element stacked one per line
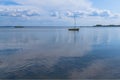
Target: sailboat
<point>74,29</point>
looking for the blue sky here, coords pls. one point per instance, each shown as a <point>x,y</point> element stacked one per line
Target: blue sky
<point>59,12</point>
<point>112,5</point>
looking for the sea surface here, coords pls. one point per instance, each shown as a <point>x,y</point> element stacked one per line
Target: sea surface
<point>45,53</point>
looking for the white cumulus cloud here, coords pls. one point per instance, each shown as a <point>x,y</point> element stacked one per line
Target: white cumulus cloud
<point>18,11</point>
<point>55,8</point>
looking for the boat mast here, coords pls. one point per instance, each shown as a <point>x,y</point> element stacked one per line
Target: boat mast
<point>74,21</point>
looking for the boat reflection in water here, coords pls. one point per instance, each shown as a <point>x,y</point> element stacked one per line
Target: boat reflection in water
<point>91,53</point>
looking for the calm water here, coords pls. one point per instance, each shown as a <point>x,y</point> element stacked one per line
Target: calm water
<point>91,53</point>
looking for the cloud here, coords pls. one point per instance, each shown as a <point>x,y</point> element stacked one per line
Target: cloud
<point>54,8</point>
<point>84,14</point>
<point>18,11</point>
<point>54,14</point>
<point>75,14</point>
<point>103,13</point>
<point>69,8</point>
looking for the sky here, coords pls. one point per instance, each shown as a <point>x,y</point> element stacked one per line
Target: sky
<point>59,12</point>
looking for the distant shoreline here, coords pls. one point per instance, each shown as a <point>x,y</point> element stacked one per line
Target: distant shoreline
<point>106,25</point>
<point>57,26</point>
